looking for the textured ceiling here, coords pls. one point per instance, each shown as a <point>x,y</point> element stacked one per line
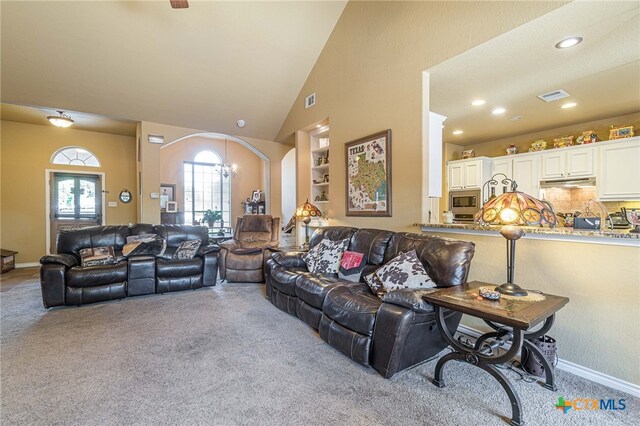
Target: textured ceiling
<point>204,67</point>
<point>602,74</point>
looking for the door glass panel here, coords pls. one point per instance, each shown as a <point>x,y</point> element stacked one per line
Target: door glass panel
<point>87,198</point>
<point>66,197</point>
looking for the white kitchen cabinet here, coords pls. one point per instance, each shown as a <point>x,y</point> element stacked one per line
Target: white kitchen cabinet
<point>502,165</point>
<point>468,174</point>
<point>573,163</point>
<point>523,169</point>
<point>617,178</point>
<point>581,162</point>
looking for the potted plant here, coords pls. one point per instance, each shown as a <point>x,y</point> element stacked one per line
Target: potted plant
<point>211,216</point>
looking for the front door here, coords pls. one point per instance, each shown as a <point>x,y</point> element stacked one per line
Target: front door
<point>76,202</point>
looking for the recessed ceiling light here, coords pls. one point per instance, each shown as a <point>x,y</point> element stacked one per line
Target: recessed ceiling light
<point>568,42</point>
<point>498,111</point>
<point>568,105</point>
<point>318,126</point>
<point>478,102</point>
<point>516,118</point>
<point>241,123</point>
<point>458,132</point>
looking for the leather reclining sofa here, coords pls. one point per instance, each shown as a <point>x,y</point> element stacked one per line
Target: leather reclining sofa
<point>65,282</point>
<point>391,333</point>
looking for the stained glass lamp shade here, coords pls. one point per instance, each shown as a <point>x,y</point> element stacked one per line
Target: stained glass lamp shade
<point>306,212</point>
<point>512,209</point>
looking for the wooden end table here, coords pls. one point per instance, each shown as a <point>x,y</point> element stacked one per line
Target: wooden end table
<point>510,317</point>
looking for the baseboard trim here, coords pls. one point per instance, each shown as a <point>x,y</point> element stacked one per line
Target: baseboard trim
<point>578,370</point>
<point>27,265</point>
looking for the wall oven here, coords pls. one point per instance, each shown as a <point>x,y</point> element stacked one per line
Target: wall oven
<point>464,204</point>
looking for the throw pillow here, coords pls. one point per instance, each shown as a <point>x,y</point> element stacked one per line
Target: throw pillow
<point>328,259</point>
<point>351,266</point>
<point>97,256</point>
<point>403,271</point>
<point>151,245</point>
<point>311,256</point>
<point>187,249</point>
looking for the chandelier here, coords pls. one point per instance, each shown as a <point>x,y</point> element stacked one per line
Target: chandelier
<point>227,168</point>
<point>61,120</point>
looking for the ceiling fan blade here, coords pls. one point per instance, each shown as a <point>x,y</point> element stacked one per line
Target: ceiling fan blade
<point>179,4</point>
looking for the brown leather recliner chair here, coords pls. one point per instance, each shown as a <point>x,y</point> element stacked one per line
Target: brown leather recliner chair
<point>242,258</point>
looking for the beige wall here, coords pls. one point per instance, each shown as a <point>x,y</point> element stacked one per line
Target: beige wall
<point>368,78</point>
<point>26,153</point>
<point>150,167</point>
<point>598,328</point>
<point>249,176</point>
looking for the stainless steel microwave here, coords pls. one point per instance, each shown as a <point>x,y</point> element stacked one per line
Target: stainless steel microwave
<point>464,204</point>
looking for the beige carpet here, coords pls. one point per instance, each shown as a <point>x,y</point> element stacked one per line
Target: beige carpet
<point>227,356</point>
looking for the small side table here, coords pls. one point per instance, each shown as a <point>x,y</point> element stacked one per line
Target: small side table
<point>511,317</point>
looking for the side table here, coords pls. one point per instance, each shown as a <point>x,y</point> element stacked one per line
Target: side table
<point>510,317</point>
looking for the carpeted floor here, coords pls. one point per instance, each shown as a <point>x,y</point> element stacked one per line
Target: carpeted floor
<point>225,356</point>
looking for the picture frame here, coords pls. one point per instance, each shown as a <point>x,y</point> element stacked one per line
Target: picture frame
<point>172,207</point>
<point>368,183</point>
<point>621,132</point>
<point>167,193</point>
<point>256,195</point>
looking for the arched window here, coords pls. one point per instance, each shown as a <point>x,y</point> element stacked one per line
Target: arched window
<point>75,156</point>
<point>207,157</point>
<point>206,187</point>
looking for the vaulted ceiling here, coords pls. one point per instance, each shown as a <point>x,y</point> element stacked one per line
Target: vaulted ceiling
<point>204,67</point>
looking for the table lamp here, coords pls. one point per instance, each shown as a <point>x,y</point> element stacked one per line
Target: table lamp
<point>513,209</point>
<point>305,212</point>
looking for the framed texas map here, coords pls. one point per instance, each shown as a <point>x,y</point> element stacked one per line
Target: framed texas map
<point>369,175</point>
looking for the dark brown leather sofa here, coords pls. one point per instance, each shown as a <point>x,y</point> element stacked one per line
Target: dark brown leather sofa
<point>389,334</point>
<point>65,282</point>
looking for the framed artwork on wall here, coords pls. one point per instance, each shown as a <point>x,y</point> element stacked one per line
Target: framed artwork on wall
<point>368,186</point>
<point>167,193</point>
<point>172,207</point>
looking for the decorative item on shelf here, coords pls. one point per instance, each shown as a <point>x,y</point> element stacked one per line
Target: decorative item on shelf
<point>621,132</point>
<point>563,142</point>
<point>489,293</point>
<point>633,217</point>
<point>172,207</point>
<point>323,196</point>
<point>306,212</point>
<point>447,216</point>
<point>587,137</point>
<point>323,142</point>
<point>512,149</point>
<point>468,153</point>
<point>539,145</point>
<point>167,193</point>
<point>256,196</point>
<point>511,209</point>
<point>325,178</point>
<point>368,169</point>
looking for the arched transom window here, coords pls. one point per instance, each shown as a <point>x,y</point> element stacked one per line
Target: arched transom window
<point>207,157</point>
<point>75,156</point>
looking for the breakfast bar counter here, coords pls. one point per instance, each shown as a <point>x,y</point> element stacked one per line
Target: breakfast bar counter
<point>620,237</point>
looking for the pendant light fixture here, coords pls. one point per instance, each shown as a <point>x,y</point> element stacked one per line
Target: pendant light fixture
<point>61,120</point>
<point>227,168</point>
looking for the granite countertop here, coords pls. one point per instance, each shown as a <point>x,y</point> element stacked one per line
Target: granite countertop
<point>616,233</point>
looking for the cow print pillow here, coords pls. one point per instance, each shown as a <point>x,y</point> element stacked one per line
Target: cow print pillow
<point>327,257</point>
<point>403,271</point>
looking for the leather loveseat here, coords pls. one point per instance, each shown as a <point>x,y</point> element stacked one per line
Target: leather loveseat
<point>65,282</point>
<point>391,333</point>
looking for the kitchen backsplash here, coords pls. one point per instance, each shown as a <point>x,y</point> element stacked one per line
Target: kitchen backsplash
<point>569,200</point>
